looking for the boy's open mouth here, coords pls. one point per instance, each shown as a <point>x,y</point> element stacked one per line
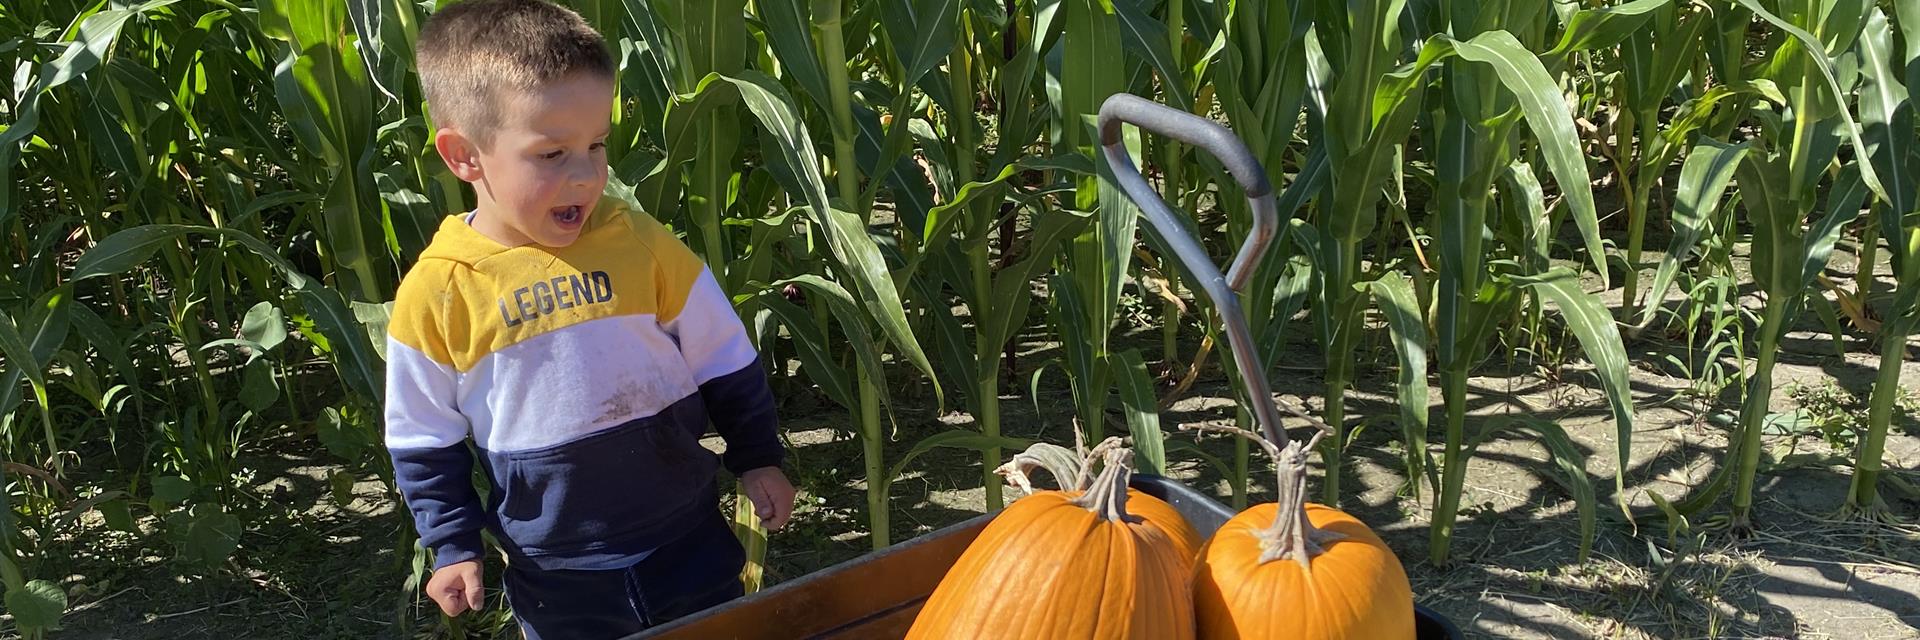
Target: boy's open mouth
<point>569,215</point>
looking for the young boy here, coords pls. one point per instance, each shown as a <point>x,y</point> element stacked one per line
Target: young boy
<point>581,346</point>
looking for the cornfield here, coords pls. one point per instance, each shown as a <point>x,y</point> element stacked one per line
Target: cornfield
<point>208,205</point>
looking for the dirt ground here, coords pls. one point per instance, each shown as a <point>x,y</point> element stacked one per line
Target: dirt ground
<point>310,567</point>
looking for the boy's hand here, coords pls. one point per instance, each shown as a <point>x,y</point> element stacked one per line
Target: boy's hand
<point>771,494</point>
<point>456,587</point>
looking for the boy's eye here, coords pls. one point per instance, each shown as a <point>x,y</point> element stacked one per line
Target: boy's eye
<point>597,146</point>
<point>552,154</point>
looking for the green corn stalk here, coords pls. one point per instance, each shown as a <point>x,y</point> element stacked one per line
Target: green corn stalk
<point>996,298</point>
<point>872,436</point>
<point>1781,255</point>
<point>832,61</point>
<point>1867,244</point>
<point>854,257</point>
<point>1893,148</point>
<point>322,78</point>
<point>1467,301</point>
<point>816,60</point>
<point>921,35</point>
<point>986,388</point>
<point>1659,41</point>
<point>1161,43</point>
<point>1174,164</point>
<point>1492,84</point>
<point>1262,82</point>
<point>1090,43</point>
<point>1653,59</point>
<point>828,18</point>
<point>712,35</point>
<point>1777,184</point>
<point>1369,112</point>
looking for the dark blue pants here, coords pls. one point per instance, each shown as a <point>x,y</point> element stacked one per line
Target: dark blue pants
<point>698,571</point>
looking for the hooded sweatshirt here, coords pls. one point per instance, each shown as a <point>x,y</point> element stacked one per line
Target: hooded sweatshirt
<point>581,379</point>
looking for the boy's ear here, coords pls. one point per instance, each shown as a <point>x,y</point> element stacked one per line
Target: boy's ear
<point>460,153</point>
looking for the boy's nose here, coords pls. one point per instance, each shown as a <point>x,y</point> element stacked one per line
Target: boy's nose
<point>583,172</point>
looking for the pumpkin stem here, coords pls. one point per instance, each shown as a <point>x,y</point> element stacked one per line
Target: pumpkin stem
<point>1107,498</point>
<point>1071,470</point>
<point>1292,535</point>
<point>1100,451</point>
<point>1061,463</point>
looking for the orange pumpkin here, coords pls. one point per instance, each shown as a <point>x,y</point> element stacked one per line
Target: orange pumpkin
<point>1070,564</point>
<point>1160,514</point>
<point>1290,570</point>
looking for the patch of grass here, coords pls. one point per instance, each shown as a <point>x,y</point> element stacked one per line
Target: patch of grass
<point>1828,411</point>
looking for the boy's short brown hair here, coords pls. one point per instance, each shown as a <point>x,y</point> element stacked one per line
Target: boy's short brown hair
<point>471,53</point>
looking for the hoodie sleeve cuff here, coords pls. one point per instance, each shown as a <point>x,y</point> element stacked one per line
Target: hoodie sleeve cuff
<point>457,549</point>
<point>740,460</point>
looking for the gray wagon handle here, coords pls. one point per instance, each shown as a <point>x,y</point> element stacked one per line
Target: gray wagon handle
<point>1246,170</point>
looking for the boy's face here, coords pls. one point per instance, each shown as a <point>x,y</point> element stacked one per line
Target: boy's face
<point>547,164</point>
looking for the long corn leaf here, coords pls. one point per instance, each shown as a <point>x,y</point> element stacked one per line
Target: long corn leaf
<point>851,321</point>
<point>1886,110</point>
<point>1147,38</point>
<point>1528,201</point>
<point>104,341</point>
<point>787,35</point>
<point>941,219</point>
<point>922,32</point>
<point>1600,339</point>
<point>1011,285</point>
<point>1703,182</point>
<point>955,346</point>
<point>1546,113</point>
<point>797,165</point>
<point>1567,457</point>
<point>1603,27</point>
<point>1395,297</point>
<point>912,193</point>
<point>1844,200</point>
<point>1142,411</point>
<point>28,354</point>
<point>815,359</point>
<point>1290,294</point>
<point>1816,52</point>
<point>648,75</point>
<point>657,187</point>
<point>955,439</point>
<point>1770,209</point>
<point>1657,60</point>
